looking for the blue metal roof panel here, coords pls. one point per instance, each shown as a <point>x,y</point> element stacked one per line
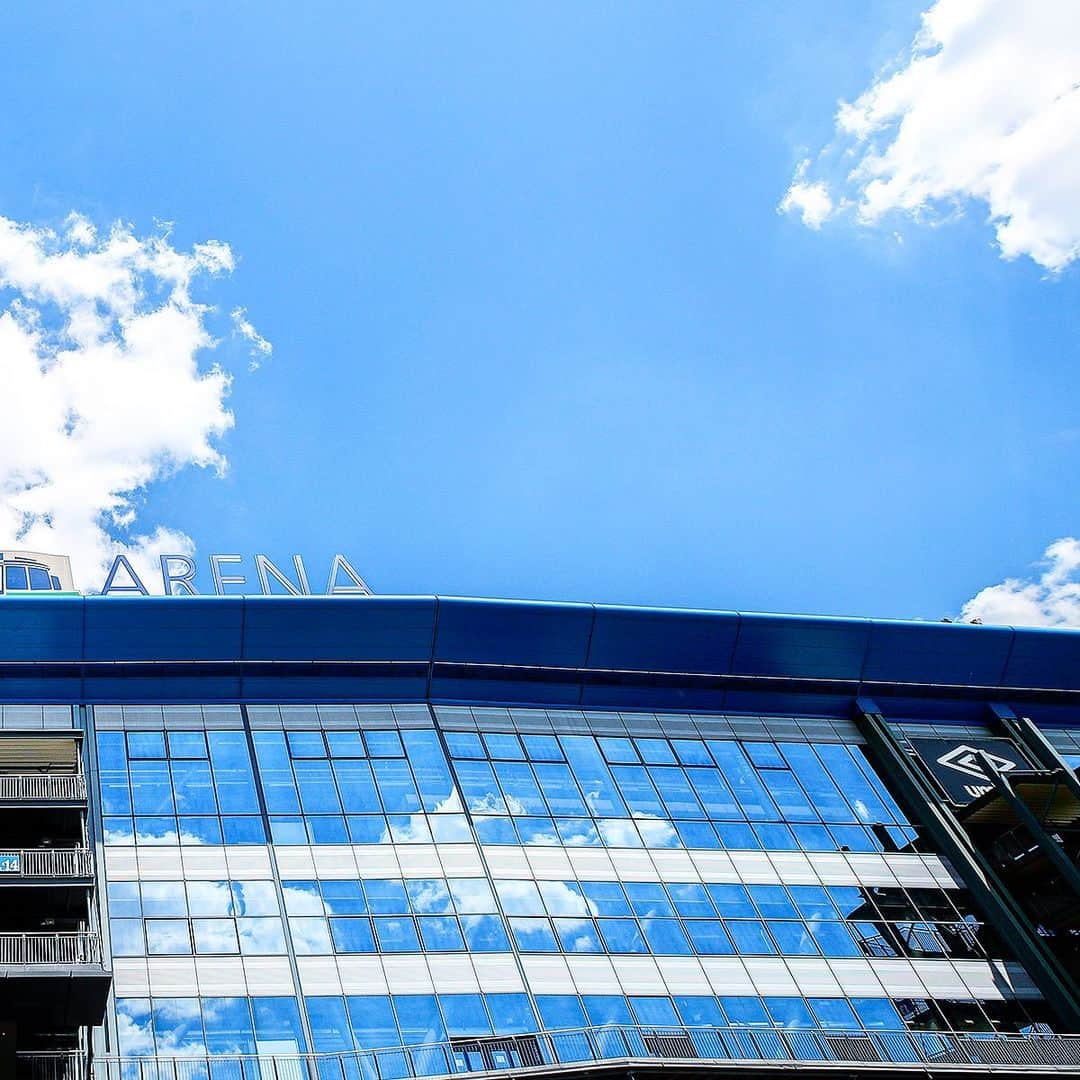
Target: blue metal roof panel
<point>339,628</point>
<point>527,633</point>
<point>40,630</point>
<point>954,653</point>
<point>162,627</point>
<point>800,647</point>
<point>1044,659</point>
<point>658,639</point>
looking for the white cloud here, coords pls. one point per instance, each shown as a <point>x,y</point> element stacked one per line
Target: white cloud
<point>101,346</point>
<point>811,200</point>
<point>260,347</point>
<point>1050,598</point>
<point>984,108</point>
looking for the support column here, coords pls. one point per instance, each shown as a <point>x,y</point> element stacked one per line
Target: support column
<point>1057,986</point>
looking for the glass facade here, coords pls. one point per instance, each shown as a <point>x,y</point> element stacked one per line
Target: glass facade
<point>543,834</point>
<point>405,876</point>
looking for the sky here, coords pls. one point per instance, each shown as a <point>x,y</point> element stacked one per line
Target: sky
<point>758,307</point>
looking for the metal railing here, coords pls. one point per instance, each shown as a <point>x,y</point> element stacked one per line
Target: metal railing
<point>705,1045</point>
<point>42,787</point>
<point>51,1065</point>
<point>18,863</point>
<point>71,947</point>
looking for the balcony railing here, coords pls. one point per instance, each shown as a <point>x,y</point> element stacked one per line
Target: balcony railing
<point>17,864</point>
<point>51,1065</point>
<point>72,947</point>
<point>745,1047</point>
<point>42,787</point>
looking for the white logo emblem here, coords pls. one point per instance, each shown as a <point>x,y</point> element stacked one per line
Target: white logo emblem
<point>964,759</point>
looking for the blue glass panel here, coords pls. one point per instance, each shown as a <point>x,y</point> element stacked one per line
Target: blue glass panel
<point>655,751</point>
<point>714,793</point>
<point>384,744</point>
<point>592,775</point>
<point>118,830</point>
<point>345,744</point>
<point>352,935</point>
<point>492,830</point>
<point>367,829</point>
<point>709,937</point>
<point>792,938</point>
<point>773,836</point>
<point>763,754</point>
<point>254,898</point>
<point>577,936</point>
<point>396,934</point>
<point>845,772</point>
<point>215,936</point>
<point>789,1012</point>
<point>773,901</point>
<point>744,1011</point>
<point>560,1011</point>
<point>419,1019</point>
<point>318,794</point>
<point>186,744</point>
<point>429,896</point>
<point>533,935</point>
<point>234,779</point>
<point>737,836</point>
<point>146,744</point>
<point>666,936</point>
<point>690,900</point>
<point>542,747</point>
<point>833,1013</point>
<point>484,933</point>
<point>310,935</point>
<point>431,771</point>
<point>617,750</point>
<point>178,1026</point>
<point>815,779</point>
<point>343,897</point>
<point>331,1032</point>
<point>699,1011</point>
<point>697,834</point>
<point>167,937</point>
<point>607,1009</point>
<point>306,744</point>
<point>472,896</point>
<point>622,935</point>
<point>326,829</point>
<point>151,787</point>
<point>277,1025</point>
<point>877,1014</point>
<point>440,933</point>
<point>124,899</point>
<point>648,899</point>
<point>814,838</point>
<point>127,937</point>
<point>288,830</point>
<point>261,937</point>
<point>788,796</point>
<point>243,830</point>
<point>743,780</point>
<point>519,788</point>
<point>372,1021</point>
<point>194,788</point>
<point>511,1014</point>
<point>478,785</point>
<point>691,752</point>
<point>560,790</point>
<point>606,897</point>
<point>637,790</point>
<point>834,939</point>
<point>732,901</point>
<point>163,898</point>
<point>750,937</point>
<point>136,1036</point>
<point>503,746</point>
<point>385,896</point>
<point>464,744</point>
<point>654,1010</point>
<point>112,766</point>
<point>275,771</point>
<point>464,1014</point>
<point>199,830</point>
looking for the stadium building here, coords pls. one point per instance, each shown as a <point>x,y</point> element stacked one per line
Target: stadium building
<point>331,839</point>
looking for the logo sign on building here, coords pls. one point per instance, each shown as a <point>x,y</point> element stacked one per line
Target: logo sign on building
<point>10,862</point>
<point>957,763</point>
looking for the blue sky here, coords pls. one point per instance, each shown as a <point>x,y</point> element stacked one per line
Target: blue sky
<point>539,329</point>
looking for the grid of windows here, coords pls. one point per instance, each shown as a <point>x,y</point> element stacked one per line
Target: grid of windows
<point>237,1025</point>
<point>190,787</point>
<point>286,781</point>
<point>657,793</point>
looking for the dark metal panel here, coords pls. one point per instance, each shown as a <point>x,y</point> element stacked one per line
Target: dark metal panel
<point>508,691</point>
<point>101,687</point>
<point>801,647</point>
<point>512,632</point>
<point>649,698</point>
<point>951,653</point>
<point>41,629</point>
<point>632,639</point>
<point>339,628</point>
<point>1045,658</point>
<point>163,628</point>
<point>349,686</point>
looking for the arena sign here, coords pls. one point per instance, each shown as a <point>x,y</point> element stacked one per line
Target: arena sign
<point>958,764</point>
<point>230,577</point>
<point>38,575</point>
